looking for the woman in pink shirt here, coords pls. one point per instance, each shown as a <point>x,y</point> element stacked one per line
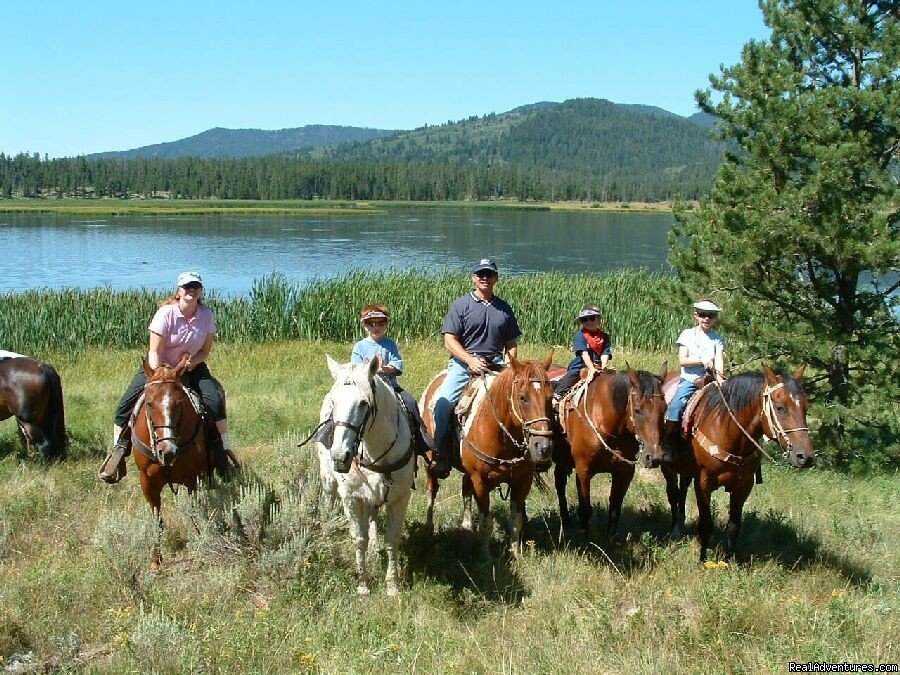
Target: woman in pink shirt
<point>182,325</point>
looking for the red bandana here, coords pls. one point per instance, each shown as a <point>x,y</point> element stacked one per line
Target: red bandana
<point>596,341</point>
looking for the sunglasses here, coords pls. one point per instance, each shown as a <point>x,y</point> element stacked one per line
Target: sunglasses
<point>707,315</point>
<point>587,319</point>
<point>485,274</point>
<point>193,286</point>
<point>375,322</point>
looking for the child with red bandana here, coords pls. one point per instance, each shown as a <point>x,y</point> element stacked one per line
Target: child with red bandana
<point>592,347</point>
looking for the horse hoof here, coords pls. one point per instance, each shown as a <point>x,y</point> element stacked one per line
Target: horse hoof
<point>362,590</point>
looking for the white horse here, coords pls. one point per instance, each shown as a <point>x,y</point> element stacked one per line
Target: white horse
<point>370,462</point>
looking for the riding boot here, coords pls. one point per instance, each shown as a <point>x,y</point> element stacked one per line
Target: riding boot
<point>116,459</point>
<point>440,466</point>
<point>671,434</point>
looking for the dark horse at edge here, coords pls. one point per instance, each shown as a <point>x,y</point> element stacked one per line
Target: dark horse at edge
<point>31,391</point>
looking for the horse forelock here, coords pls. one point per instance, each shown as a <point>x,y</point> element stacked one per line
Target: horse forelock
<point>355,375</point>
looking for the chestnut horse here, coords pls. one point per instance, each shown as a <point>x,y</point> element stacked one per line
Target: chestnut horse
<point>31,392</point>
<point>723,449</point>
<point>507,434</point>
<point>617,421</point>
<point>169,438</point>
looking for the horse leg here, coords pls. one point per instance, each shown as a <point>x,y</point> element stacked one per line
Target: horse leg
<point>703,493</point>
<point>359,514</point>
<point>561,479</point>
<point>518,493</point>
<point>153,494</point>
<point>676,503</point>
<point>396,514</point>
<point>482,497</point>
<point>621,479</point>
<point>583,477</point>
<point>684,485</point>
<point>467,503</point>
<point>735,512</point>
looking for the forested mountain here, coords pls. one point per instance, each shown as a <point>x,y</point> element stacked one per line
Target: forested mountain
<point>582,149</point>
<point>221,142</point>
<point>589,137</point>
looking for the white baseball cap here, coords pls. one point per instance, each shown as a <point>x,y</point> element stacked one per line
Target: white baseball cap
<point>707,306</point>
<point>186,278</point>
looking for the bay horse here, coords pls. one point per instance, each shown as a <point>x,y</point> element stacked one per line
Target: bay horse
<point>722,448</point>
<point>31,391</point>
<point>370,462</point>
<point>507,434</point>
<point>616,422</point>
<point>169,438</point>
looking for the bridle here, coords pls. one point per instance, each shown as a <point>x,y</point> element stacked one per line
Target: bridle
<point>631,426</point>
<point>771,417</point>
<point>527,425</point>
<point>359,430</point>
<point>172,435</point>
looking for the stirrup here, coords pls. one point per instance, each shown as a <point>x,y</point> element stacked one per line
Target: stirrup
<point>439,467</point>
<point>117,458</point>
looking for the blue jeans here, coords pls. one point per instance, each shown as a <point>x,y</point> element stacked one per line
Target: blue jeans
<point>448,396</point>
<point>679,402</point>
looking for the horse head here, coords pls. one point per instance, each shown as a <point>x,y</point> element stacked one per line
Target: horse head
<point>166,409</point>
<point>784,415</point>
<point>530,404</point>
<point>647,412</point>
<point>353,407</point>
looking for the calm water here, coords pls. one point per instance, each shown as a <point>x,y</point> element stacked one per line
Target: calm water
<point>56,251</point>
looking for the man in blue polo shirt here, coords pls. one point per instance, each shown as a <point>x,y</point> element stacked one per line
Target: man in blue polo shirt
<point>478,327</point>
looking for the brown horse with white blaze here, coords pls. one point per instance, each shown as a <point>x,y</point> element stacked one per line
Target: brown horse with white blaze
<point>31,391</point>
<point>723,447</point>
<point>169,438</point>
<point>617,422</point>
<point>506,435</point>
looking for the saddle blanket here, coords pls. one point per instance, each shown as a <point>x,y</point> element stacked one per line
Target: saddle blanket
<point>10,355</point>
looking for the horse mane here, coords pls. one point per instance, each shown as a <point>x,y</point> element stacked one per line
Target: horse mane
<point>744,390</point>
<point>503,383</point>
<point>57,414</point>
<point>621,385</point>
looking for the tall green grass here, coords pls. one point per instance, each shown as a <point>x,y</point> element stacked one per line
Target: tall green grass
<point>37,322</point>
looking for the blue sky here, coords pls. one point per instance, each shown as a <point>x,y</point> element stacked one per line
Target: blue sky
<point>82,77</point>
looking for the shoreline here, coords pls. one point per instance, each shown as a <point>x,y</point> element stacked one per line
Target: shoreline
<point>180,207</point>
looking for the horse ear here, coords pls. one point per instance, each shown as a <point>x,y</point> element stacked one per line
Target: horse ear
<point>333,366</point>
<point>769,374</point>
<point>545,364</point>
<point>182,365</point>
<point>374,366</point>
<point>633,376</point>
<point>664,370</point>
<point>147,368</point>
<point>513,362</point>
<point>798,374</point>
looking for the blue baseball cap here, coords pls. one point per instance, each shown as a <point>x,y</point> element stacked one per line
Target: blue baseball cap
<point>485,264</point>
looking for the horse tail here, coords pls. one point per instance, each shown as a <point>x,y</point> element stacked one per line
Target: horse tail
<point>56,415</point>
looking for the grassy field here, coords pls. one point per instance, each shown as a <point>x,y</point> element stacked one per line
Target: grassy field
<point>249,587</point>
<point>170,207</point>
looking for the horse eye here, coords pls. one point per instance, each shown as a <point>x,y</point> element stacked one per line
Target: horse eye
<point>780,408</point>
<point>523,398</point>
<point>638,412</point>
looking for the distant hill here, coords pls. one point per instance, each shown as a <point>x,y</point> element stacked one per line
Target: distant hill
<point>588,137</point>
<point>219,142</point>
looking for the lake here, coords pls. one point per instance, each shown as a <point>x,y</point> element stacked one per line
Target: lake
<point>61,250</point>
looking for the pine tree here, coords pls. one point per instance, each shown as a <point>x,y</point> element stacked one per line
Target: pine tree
<point>799,235</point>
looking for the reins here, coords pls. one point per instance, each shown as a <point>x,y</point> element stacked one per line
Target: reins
<point>151,451</point>
<point>527,431</point>
<point>767,410</point>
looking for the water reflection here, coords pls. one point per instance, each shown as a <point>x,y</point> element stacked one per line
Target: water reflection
<point>231,251</point>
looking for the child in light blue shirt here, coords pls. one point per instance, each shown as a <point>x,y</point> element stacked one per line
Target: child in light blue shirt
<point>374,319</point>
